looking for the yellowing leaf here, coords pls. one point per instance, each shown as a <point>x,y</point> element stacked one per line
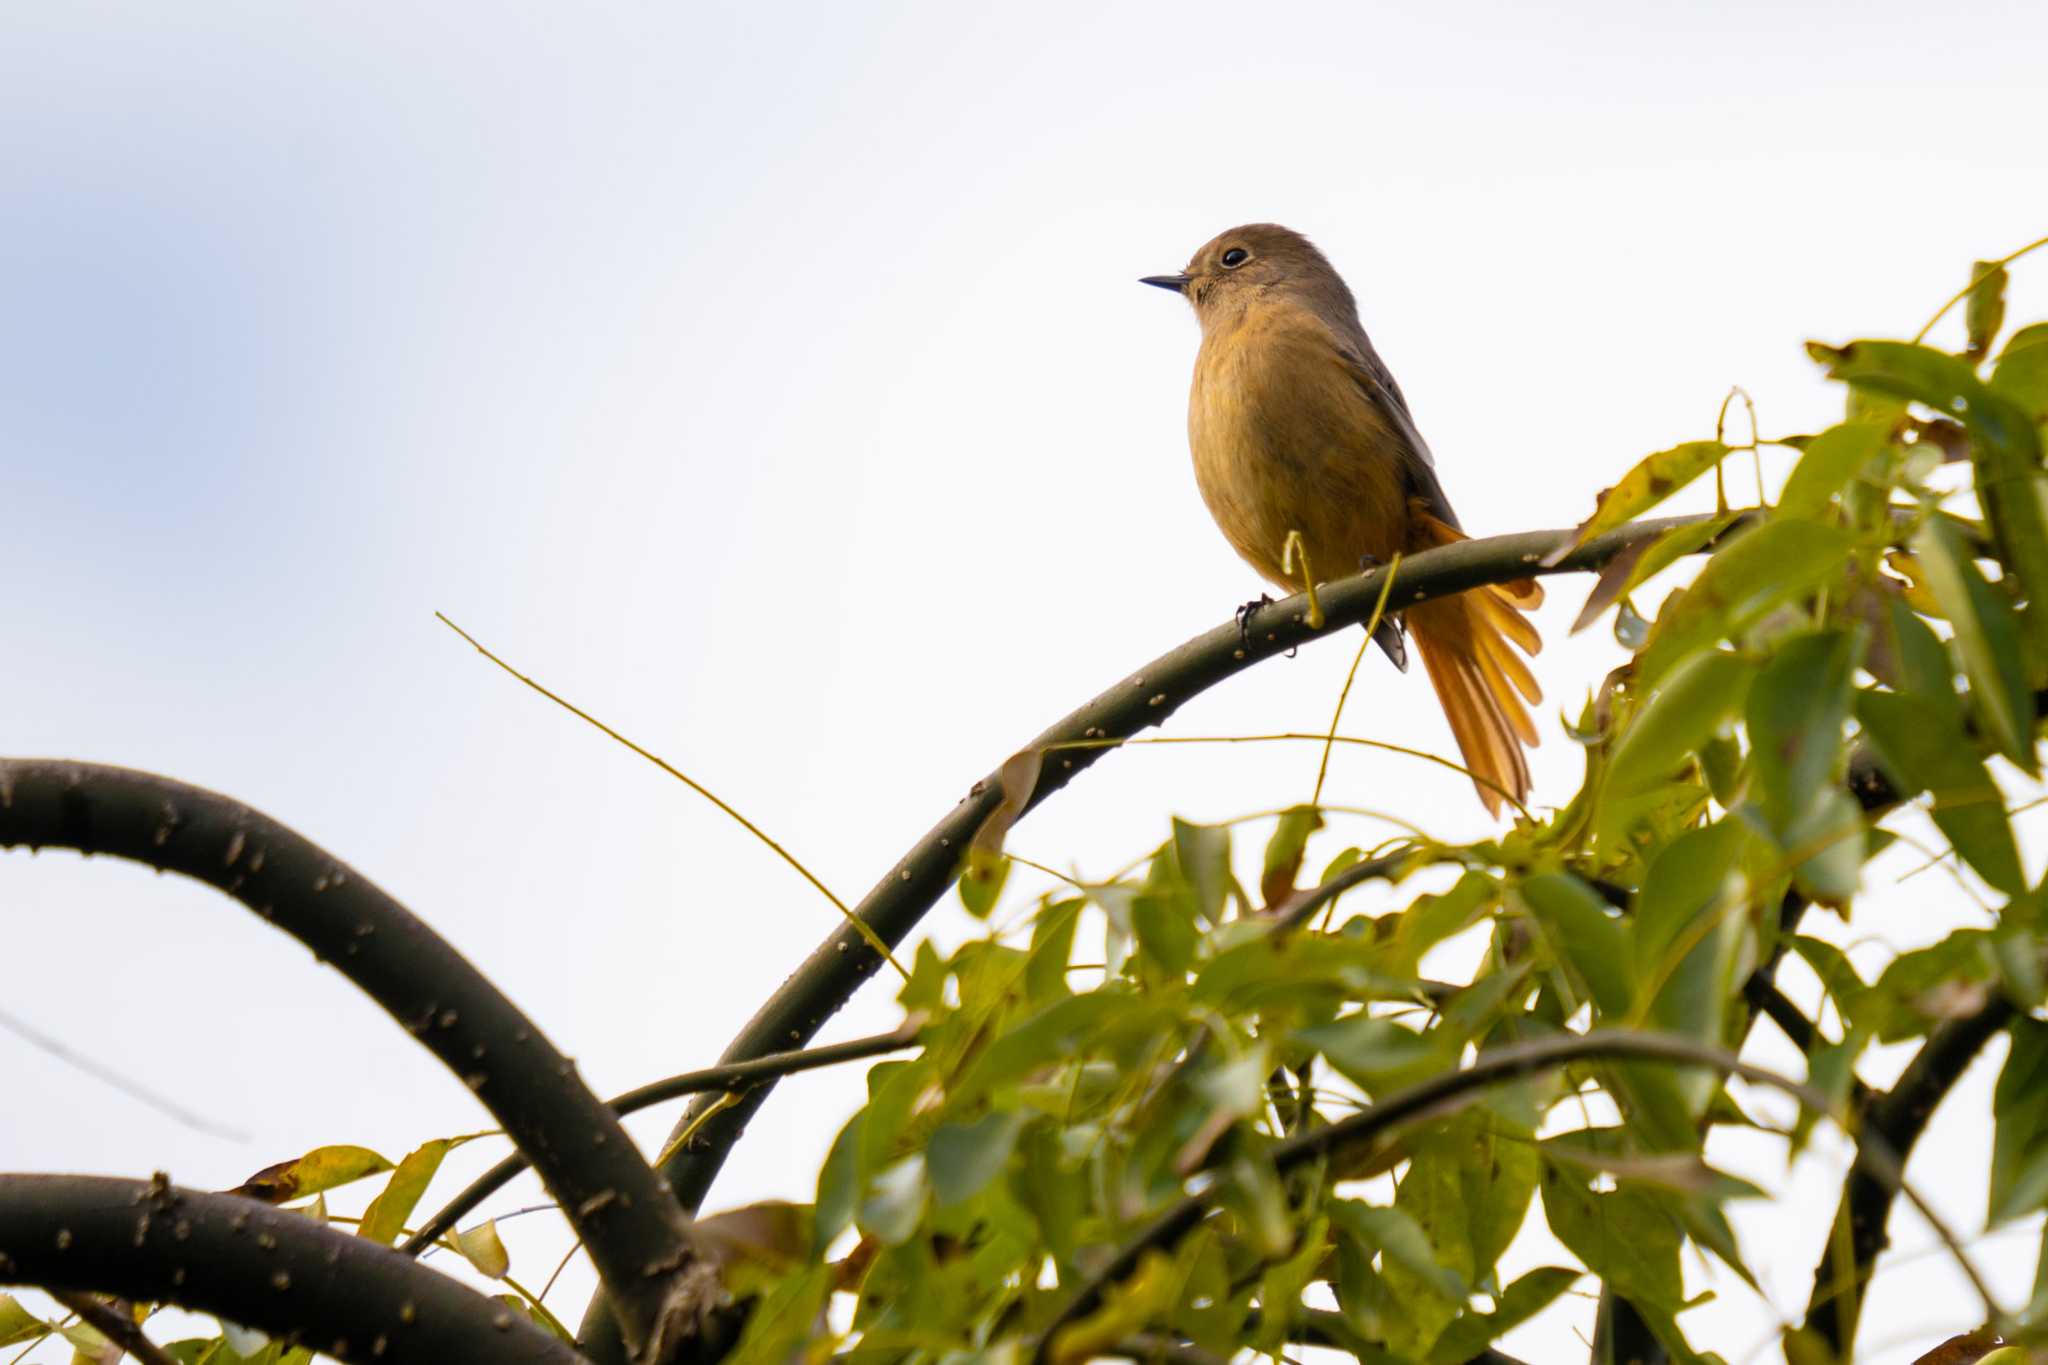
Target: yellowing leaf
<point>385,1219</point>
<point>17,1324</point>
<point>484,1249</point>
<point>1655,478</point>
<point>323,1168</point>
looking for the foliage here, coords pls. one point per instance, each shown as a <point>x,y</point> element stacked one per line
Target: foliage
<point>1868,650</point>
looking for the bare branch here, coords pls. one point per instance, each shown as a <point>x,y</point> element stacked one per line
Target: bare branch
<point>264,1267</point>
<point>1896,1118</point>
<point>637,1234</point>
<point>721,1078</point>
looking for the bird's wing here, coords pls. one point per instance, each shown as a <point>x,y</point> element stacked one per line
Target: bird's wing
<point>1371,374</point>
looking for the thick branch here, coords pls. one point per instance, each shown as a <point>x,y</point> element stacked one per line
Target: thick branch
<point>1897,1118</point>
<point>720,1078</point>
<point>1444,1091</point>
<point>838,966</point>
<point>637,1235</point>
<point>264,1267</point>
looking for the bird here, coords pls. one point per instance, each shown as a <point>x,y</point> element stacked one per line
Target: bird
<point>1298,431</point>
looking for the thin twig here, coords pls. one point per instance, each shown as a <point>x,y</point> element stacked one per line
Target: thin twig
<point>736,1076</point>
<point>693,784</point>
<point>114,1325</point>
<point>1971,287</point>
<point>1372,626</point>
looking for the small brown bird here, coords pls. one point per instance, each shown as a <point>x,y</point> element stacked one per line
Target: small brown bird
<point>1297,427</point>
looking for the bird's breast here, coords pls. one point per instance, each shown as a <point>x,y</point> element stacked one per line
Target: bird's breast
<point>1285,439</point>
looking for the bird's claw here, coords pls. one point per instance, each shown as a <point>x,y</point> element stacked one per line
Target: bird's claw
<point>1244,621</point>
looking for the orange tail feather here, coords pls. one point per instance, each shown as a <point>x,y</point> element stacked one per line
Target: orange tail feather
<point>1465,646</point>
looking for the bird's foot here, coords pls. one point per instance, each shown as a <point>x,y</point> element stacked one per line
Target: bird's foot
<point>1244,621</point>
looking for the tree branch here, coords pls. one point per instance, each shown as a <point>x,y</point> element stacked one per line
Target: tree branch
<point>1897,1118</point>
<point>837,967</point>
<point>721,1078</point>
<point>1444,1091</point>
<point>637,1234</point>
<point>264,1267</point>
<point>113,1324</point>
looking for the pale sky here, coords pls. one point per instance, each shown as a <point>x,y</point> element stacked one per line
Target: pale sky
<point>772,380</point>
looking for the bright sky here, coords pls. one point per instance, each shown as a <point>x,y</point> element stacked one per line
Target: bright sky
<point>772,380</point>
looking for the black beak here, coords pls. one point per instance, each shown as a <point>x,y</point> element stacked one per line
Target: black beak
<point>1177,283</point>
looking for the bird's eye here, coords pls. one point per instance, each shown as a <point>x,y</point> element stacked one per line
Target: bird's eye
<point>1235,257</point>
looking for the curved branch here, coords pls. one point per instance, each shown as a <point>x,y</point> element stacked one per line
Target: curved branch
<point>1444,1091</point>
<point>261,1266</point>
<point>1299,908</point>
<point>837,967</point>
<point>721,1078</point>
<point>636,1232</point>
<point>1897,1118</point>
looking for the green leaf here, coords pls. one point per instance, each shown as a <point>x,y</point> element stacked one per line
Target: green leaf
<point>1987,638</point>
<point>962,1158</point>
<point>1915,661</point>
<point>1052,1191</point>
<point>1283,1283</point>
<point>1368,1050</point>
<point>1827,465</point>
<point>1587,935</point>
<point>1984,313</point>
<point>1623,1236</point>
<point>838,1186</point>
<point>1694,941</point>
<point>1838,976</point>
<point>1424,1295</point>
<point>385,1219</point>
<point>1167,937</point>
<point>1686,708</point>
<point>2005,452</point>
<point>1469,1184</point>
<point>1746,580</point>
<point>1470,1335</point>
<point>1052,949</point>
<point>1922,747</point>
<point>1284,852</point>
<point>2022,373</point>
<point>1830,1069</point>
<point>895,1202</point>
<point>1831,842</point>
<point>323,1168</point>
<point>981,880</point>
<point>1653,479</point>
<point>783,1320</point>
<point>1433,918</point>
<point>1203,852</point>
<point>1250,1188</point>
<point>925,989</point>
<point>1796,710</point>
<point>1940,981</point>
<point>2035,1314</point>
<point>2019,1112</point>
